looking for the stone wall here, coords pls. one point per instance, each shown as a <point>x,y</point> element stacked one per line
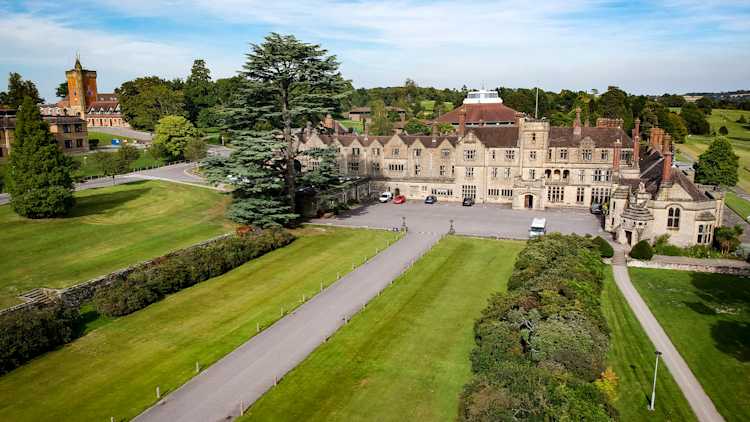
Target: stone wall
<point>740,268</point>
<point>77,295</point>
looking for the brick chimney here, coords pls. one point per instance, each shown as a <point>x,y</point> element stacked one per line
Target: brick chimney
<point>656,138</point>
<point>666,173</point>
<point>365,127</point>
<point>461,122</point>
<point>636,141</point>
<point>616,158</point>
<point>577,123</point>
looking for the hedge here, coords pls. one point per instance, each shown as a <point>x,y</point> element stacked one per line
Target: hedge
<point>541,347</point>
<point>32,331</point>
<point>175,272</point>
<point>642,250</point>
<point>605,249</point>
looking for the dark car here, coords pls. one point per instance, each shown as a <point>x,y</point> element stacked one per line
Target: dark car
<point>468,202</point>
<point>430,199</point>
<point>596,208</point>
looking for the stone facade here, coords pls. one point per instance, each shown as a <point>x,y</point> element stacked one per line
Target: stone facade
<point>529,164</point>
<point>69,131</point>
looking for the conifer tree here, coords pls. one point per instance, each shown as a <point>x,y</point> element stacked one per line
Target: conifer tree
<point>718,165</point>
<point>40,182</point>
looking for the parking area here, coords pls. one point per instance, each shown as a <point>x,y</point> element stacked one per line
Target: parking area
<point>478,220</point>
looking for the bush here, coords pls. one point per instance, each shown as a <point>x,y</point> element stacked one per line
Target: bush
<point>605,249</point>
<point>93,143</point>
<point>32,331</point>
<point>723,130</point>
<point>642,250</point>
<point>183,269</point>
<point>541,347</point>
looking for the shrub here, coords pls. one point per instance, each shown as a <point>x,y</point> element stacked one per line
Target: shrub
<point>605,249</point>
<point>642,250</point>
<point>183,269</point>
<point>723,130</point>
<point>32,331</point>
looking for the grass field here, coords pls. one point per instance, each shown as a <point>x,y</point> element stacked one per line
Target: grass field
<point>351,124</point>
<point>707,317</point>
<point>406,356</point>
<point>631,356</point>
<point>114,370</point>
<point>88,166</point>
<point>105,138</point>
<point>109,228</point>
<point>739,135</point>
<point>740,206</point>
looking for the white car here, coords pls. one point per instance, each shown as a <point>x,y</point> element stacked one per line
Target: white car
<point>385,197</point>
<point>538,227</point>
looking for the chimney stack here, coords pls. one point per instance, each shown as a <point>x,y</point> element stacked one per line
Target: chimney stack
<point>462,121</point>
<point>666,174</point>
<point>636,141</point>
<point>577,123</point>
<point>616,158</point>
<point>656,138</point>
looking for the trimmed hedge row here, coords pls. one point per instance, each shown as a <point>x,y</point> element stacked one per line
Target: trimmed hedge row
<point>32,331</point>
<point>173,273</point>
<point>541,347</point>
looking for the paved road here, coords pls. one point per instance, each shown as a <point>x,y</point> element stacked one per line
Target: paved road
<point>177,173</point>
<point>479,220</point>
<point>699,401</point>
<point>245,374</point>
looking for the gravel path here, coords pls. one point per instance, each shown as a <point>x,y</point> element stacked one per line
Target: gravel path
<point>249,371</point>
<point>701,404</point>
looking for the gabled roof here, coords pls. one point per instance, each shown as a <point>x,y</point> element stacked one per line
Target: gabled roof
<point>480,113</point>
<point>603,137</point>
<point>497,136</point>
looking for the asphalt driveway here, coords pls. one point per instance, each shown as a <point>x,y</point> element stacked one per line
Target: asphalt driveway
<point>478,220</point>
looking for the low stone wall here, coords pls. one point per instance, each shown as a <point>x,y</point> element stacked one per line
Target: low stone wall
<point>701,267</point>
<point>75,296</point>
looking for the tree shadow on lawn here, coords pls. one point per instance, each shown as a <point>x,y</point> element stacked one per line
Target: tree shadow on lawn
<point>727,299</point>
<point>103,202</point>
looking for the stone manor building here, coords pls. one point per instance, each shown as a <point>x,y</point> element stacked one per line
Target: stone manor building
<point>526,163</point>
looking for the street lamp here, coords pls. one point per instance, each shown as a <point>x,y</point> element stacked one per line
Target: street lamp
<point>653,390</point>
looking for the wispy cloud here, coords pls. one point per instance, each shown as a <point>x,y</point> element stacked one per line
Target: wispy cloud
<point>675,45</point>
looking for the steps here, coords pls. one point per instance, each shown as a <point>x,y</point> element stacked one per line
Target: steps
<point>39,295</point>
<point>619,258</point>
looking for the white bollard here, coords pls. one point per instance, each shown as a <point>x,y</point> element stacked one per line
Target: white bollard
<point>257,327</point>
<point>321,286</point>
<point>242,408</point>
<point>197,367</point>
<point>158,392</point>
<point>275,380</point>
<point>282,311</point>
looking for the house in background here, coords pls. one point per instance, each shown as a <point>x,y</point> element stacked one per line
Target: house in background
<point>69,131</point>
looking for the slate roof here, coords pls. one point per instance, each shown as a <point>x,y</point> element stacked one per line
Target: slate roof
<point>603,137</point>
<point>477,113</point>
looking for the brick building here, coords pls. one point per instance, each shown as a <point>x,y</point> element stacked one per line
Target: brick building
<point>526,163</point>
<point>69,131</point>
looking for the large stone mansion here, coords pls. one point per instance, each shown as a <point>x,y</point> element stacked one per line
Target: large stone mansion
<point>500,156</point>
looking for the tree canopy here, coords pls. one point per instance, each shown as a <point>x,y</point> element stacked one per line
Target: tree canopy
<point>146,100</point>
<point>174,133</point>
<point>718,165</point>
<point>199,90</point>
<point>694,119</point>
<point>18,90</point>
<point>62,90</point>
<point>39,174</point>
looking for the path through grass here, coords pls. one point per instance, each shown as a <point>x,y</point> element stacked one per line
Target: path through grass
<point>631,356</point>
<point>406,357</point>
<point>707,317</point>
<point>114,370</point>
<point>109,228</point>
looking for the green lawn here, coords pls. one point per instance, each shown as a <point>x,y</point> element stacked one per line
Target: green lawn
<point>351,124</point>
<point>631,356</point>
<point>707,317</point>
<point>105,138</point>
<point>740,206</point>
<point>88,166</point>
<point>739,135</point>
<point>109,228</point>
<point>406,356</point>
<point>114,370</point>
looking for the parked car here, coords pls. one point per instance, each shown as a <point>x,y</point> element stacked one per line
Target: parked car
<point>399,199</point>
<point>468,202</point>
<point>385,197</point>
<point>430,199</point>
<point>538,227</point>
<point>596,208</point>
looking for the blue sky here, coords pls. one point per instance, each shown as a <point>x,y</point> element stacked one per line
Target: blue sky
<point>643,47</point>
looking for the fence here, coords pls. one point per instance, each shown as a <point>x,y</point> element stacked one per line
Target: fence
<point>135,170</point>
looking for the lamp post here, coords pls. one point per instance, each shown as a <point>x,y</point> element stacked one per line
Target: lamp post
<point>403,224</point>
<point>653,390</point>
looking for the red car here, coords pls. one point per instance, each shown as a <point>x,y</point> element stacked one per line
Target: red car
<point>399,199</point>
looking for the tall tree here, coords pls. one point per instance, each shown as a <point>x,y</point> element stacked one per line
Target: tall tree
<point>62,90</point>
<point>718,165</point>
<point>381,124</point>
<point>694,119</point>
<point>146,100</point>
<point>18,90</point>
<point>200,91</point>
<point>614,104</point>
<point>325,173</point>
<point>286,83</point>
<point>40,182</point>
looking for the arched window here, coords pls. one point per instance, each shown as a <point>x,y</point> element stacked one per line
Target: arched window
<point>673,218</point>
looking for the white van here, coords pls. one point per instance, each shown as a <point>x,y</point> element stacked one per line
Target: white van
<point>385,197</point>
<point>538,227</point>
